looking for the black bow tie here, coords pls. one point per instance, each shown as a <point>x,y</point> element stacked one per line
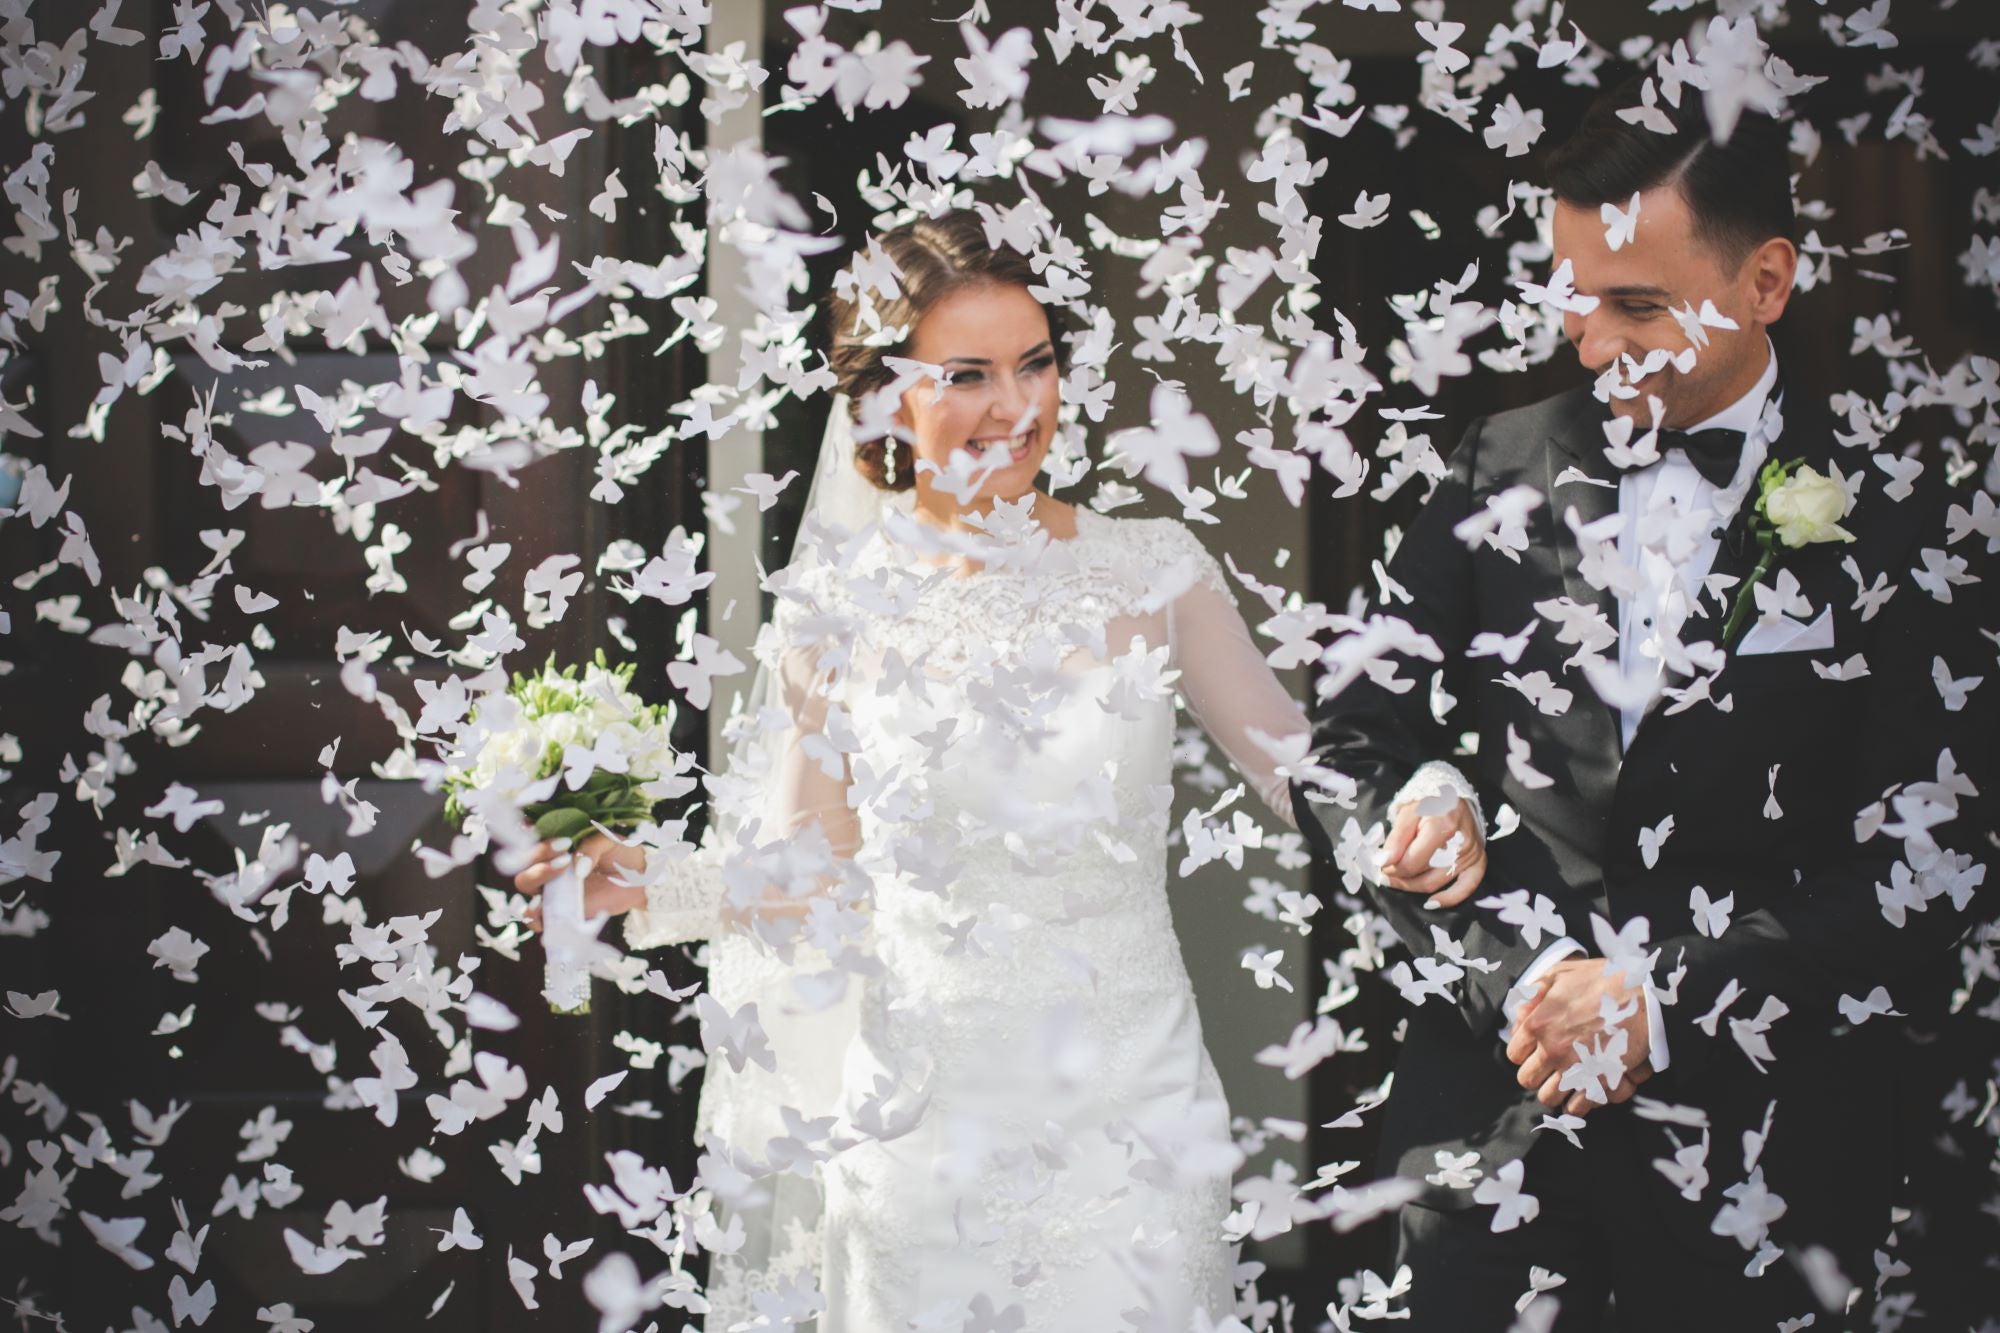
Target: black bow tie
<point>1715,453</point>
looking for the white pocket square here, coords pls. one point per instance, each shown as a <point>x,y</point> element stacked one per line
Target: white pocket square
<point>1789,635</point>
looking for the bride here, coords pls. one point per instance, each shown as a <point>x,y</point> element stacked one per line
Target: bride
<point>955,1069</point>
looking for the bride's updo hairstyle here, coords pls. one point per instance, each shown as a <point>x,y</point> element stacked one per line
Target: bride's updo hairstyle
<point>937,256</point>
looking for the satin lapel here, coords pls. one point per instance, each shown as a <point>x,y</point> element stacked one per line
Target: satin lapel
<point>1577,446</point>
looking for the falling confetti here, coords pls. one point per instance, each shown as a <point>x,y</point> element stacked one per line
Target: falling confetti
<point>366,269</point>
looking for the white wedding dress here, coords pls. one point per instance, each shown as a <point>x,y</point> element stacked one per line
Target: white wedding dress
<point>1000,1103</point>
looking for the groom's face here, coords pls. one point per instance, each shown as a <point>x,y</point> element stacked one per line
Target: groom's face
<point>1664,267</point>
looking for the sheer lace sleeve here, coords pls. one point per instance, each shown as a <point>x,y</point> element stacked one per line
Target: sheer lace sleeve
<point>1229,687</point>
<point>786,772</point>
<point>684,903</point>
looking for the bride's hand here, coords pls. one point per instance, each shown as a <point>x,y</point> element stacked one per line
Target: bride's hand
<point>1415,839</point>
<point>601,891</point>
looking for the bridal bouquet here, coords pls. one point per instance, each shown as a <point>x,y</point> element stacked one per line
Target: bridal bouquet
<point>571,753</point>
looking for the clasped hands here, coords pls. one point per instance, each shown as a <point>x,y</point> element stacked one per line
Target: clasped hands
<point>1562,1025</point>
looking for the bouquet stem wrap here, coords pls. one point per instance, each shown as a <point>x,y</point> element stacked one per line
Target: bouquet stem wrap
<point>565,980</point>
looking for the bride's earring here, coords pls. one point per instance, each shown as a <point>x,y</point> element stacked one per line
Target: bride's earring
<point>889,460</point>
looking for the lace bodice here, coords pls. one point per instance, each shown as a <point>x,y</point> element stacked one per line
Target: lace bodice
<point>1113,569</point>
<point>852,630</point>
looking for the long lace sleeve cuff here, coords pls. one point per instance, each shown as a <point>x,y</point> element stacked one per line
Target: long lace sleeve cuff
<point>683,905</point>
<point>1435,779</point>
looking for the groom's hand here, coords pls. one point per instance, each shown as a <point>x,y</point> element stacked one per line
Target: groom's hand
<point>1419,856</point>
<point>1570,1007</point>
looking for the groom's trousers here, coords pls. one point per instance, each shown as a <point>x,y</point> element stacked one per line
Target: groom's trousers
<point>1624,1269</point>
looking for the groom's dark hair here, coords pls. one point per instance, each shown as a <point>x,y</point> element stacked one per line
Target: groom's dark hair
<point>1739,192</point>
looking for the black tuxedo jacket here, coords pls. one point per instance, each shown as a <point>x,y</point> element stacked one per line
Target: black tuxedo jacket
<point>1807,925</point>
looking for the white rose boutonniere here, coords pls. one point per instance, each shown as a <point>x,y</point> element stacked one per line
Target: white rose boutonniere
<point>1795,506</point>
<point>1806,507</point>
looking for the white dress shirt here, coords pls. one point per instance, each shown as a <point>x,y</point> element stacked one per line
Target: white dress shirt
<point>1671,515</point>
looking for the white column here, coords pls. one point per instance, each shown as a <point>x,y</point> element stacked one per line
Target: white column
<point>734,599</point>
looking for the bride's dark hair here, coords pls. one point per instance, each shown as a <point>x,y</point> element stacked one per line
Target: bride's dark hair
<point>937,256</point>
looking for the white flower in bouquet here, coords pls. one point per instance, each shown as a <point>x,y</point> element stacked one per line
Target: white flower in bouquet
<point>579,753</point>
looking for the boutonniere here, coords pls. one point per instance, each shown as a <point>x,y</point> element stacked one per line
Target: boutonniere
<point>1795,506</point>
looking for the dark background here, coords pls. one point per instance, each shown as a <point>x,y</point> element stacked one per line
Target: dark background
<point>145,508</point>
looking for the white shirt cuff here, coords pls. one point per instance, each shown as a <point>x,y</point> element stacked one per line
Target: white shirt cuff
<point>1525,987</point>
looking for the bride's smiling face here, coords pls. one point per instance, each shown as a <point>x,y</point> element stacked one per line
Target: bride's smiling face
<point>1001,387</point>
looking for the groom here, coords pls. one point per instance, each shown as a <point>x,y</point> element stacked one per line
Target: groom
<point>1739,846</point>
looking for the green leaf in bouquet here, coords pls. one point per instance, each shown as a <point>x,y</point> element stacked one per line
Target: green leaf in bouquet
<point>564,821</point>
